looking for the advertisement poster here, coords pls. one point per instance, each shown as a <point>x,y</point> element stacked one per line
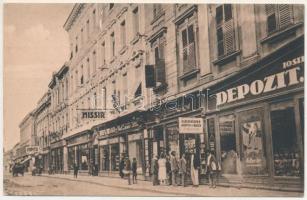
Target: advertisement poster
<point>252,143</point>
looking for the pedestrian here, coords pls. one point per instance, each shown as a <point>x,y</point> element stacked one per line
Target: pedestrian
<point>212,169</point>
<point>174,167</point>
<point>182,169</point>
<point>168,170</point>
<point>134,170</point>
<point>128,169</point>
<point>154,170</point>
<point>76,168</point>
<point>239,169</point>
<point>121,167</point>
<point>195,165</point>
<point>162,170</point>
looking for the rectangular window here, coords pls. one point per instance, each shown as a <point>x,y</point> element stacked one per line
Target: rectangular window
<point>104,93</point>
<point>81,78</point>
<point>125,89</point>
<point>285,146</point>
<point>160,62</point>
<point>123,33</point>
<point>87,29</point>
<point>94,19</point>
<point>88,66</point>
<point>103,53</point>
<point>279,16</point>
<point>112,44</point>
<point>157,9</point>
<point>111,5</point>
<point>135,18</point>
<point>188,49</point>
<point>225,32</point>
<point>228,144</point>
<point>94,62</point>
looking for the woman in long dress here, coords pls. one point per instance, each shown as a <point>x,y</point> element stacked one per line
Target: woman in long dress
<point>162,170</point>
<point>195,164</point>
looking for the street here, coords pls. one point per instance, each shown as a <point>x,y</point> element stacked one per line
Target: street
<point>66,185</point>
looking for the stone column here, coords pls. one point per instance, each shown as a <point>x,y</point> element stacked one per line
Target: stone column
<point>65,158</point>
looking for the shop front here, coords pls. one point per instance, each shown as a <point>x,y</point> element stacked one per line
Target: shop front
<point>56,156</point>
<point>257,118</point>
<point>78,148</point>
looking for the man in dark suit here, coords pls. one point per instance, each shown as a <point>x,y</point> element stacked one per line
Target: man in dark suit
<point>174,167</point>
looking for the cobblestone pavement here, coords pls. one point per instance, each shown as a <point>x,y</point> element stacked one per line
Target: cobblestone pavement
<point>107,186</point>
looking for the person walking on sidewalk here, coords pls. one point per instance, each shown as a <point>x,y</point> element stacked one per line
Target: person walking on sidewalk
<point>212,169</point>
<point>128,169</point>
<point>168,170</point>
<point>182,169</point>
<point>76,168</point>
<point>154,170</point>
<point>174,167</point>
<point>134,170</point>
<point>162,169</point>
<point>121,167</point>
<point>195,165</point>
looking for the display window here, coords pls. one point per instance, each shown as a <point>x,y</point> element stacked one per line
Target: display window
<point>136,151</point>
<point>104,158</point>
<point>71,158</point>
<point>115,157</point>
<point>173,139</point>
<point>252,140</point>
<point>228,143</point>
<point>285,146</point>
<point>84,156</point>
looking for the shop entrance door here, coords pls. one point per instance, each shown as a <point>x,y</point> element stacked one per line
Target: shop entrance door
<point>285,146</point>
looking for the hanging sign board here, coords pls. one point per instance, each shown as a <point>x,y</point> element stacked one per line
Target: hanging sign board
<point>191,125</point>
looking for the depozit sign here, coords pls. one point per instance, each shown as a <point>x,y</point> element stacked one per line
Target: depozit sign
<point>32,150</point>
<point>191,125</point>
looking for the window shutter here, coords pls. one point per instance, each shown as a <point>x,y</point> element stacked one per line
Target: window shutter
<point>229,37</point>
<point>220,42</point>
<point>160,64</point>
<point>270,10</point>
<point>285,15</point>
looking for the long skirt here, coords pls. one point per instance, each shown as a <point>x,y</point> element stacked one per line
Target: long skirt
<point>194,176</point>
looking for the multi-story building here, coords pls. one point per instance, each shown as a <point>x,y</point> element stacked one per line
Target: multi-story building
<point>27,134</point>
<point>185,78</point>
<point>59,118</point>
<point>42,122</point>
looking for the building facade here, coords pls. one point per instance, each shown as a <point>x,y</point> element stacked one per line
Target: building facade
<point>138,71</point>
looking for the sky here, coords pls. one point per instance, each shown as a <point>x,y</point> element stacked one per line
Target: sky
<point>35,45</point>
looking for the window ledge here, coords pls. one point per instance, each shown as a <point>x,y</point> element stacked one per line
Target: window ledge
<point>112,59</point>
<point>136,38</point>
<point>280,34</point>
<point>226,58</point>
<point>189,74</point>
<point>123,50</point>
<point>159,88</point>
<point>157,17</point>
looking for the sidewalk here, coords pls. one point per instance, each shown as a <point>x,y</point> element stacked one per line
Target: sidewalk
<point>202,190</point>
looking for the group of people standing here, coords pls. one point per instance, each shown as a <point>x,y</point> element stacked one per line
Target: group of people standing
<point>167,169</point>
<point>126,168</point>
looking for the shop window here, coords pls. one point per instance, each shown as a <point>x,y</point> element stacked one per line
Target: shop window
<point>279,16</point>
<point>225,32</point>
<point>114,157</point>
<point>252,142</point>
<point>84,157</point>
<point>228,143</point>
<point>104,161</point>
<point>71,158</point>
<point>285,148</point>
<point>136,151</point>
<point>211,134</point>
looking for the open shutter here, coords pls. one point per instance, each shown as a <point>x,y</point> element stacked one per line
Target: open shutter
<point>285,15</point>
<point>191,49</point>
<point>270,10</point>
<point>229,37</point>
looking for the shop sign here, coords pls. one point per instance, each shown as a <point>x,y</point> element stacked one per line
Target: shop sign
<point>289,73</point>
<point>80,139</point>
<point>190,125</point>
<point>113,140</point>
<point>134,137</point>
<point>103,142</point>
<point>32,150</point>
<point>92,114</point>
